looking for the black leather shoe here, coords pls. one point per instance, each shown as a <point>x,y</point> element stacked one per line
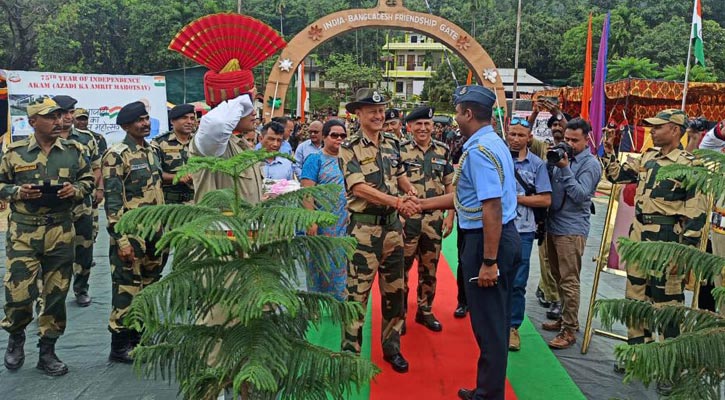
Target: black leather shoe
<point>554,312</point>
<point>83,299</point>
<point>15,353</point>
<point>541,298</point>
<point>461,311</point>
<point>398,362</point>
<point>48,361</point>
<point>429,321</point>
<point>465,394</point>
<point>120,347</point>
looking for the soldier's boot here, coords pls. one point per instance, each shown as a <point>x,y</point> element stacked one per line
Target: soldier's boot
<point>134,338</point>
<point>48,361</point>
<point>120,347</point>
<point>15,353</point>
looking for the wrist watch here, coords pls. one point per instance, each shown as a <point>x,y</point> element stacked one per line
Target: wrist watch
<point>489,261</point>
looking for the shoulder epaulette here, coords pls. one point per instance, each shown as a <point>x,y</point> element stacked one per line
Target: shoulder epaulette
<point>73,143</point>
<point>688,156</point>
<point>405,143</point>
<point>18,144</point>
<point>351,141</point>
<point>390,136</point>
<point>439,143</point>
<point>161,135</point>
<point>118,148</point>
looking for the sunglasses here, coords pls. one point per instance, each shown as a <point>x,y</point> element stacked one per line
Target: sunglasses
<point>520,121</point>
<point>338,135</point>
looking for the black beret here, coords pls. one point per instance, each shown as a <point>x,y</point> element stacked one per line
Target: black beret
<point>180,111</point>
<point>557,117</point>
<point>131,112</point>
<point>392,113</point>
<point>65,102</point>
<point>423,112</point>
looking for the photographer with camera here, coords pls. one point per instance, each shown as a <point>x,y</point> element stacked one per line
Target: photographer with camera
<point>533,196</point>
<point>575,173</point>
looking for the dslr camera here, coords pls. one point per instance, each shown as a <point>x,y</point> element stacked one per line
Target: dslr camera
<point>556,153</point>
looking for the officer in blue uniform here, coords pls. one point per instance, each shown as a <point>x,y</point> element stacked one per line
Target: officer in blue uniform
<point>485,202</point>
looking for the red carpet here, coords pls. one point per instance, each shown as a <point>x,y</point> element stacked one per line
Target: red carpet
<point>440,363</point>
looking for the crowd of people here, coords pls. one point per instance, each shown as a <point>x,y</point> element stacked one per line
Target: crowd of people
<point>402,191</point>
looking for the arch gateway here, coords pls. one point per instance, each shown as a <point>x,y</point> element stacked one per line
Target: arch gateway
<point>387,14</point>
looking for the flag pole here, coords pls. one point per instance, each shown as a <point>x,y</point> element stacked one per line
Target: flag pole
<point>516,62</point>
<point>687,70</point>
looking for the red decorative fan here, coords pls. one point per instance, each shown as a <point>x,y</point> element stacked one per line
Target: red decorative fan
<point>230,45</point>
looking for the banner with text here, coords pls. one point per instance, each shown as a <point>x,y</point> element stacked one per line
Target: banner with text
<point>102,95</point>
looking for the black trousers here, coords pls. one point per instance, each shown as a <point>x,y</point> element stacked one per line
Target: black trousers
<point>490,308</point>
<point>459,275</point>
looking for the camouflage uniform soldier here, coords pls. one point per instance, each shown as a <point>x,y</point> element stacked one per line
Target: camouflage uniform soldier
<point>431,173</point>
<point>173,151</point>
<point>40,176</point>
<point>80,122</point>
<point>664,211</point>
<point>83,211</point>
<point>370,162</point>
<point>132,177</point>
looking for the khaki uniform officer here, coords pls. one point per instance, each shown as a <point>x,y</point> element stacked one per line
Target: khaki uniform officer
<point>374,178</point>
<point>132,178</point>
<point>41,177</point>
<point>173,151</point>
<point>83,211</point>
<point>431,173</point>
<point>664,211</point>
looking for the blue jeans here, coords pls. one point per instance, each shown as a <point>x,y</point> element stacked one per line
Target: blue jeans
<point>518,301</point>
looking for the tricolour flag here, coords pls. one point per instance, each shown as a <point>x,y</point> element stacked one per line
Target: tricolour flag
<point>696,33</point>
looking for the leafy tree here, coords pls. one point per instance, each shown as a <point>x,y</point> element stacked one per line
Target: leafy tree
<point>694,362</point>
<point>438,90</point>
<point>632,67</point>
<point>624,27</point>
<point>84,36</point>
<point>342,68</point>
<point>697,73</point>
<point>259,350</point>
<point>18,36</point>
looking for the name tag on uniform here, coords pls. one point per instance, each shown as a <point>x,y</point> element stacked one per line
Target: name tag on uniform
<point>137,167</point>
<point>367,160</point>
<point>438,161</point>
<point>172,150</point>
<point>23,168</point>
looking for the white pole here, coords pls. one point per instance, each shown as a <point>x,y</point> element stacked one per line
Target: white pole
<point>516,62</point>
<point>687,72</point>
<point>274,98</point>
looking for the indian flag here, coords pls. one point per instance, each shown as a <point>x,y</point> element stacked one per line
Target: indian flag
<point>696,34</point>
<point>159,80</point>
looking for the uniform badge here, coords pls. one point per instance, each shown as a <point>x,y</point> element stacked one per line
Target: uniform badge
<point>367,160</point>
<point>376,97</point>
<point>430,113</point>
<point>136,167</point>
<point>463,90</point>
<point>23,168</point>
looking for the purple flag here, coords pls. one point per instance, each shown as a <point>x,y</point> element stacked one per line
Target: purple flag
<point>597,109</point>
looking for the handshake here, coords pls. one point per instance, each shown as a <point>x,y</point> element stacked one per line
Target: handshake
<point>408,205</point>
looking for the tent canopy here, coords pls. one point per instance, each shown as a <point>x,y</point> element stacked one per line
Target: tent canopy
<point>634,99</point>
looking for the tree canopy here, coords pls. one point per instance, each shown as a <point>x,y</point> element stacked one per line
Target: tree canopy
<point>131,36</point>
